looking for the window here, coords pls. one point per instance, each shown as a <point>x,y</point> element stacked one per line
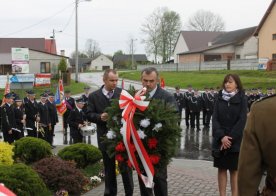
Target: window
<point>273,36</point>
<point>238,56</point>
<point>274,56</point>
<point>45,67</point>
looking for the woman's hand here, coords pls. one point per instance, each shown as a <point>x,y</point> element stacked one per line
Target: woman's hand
<point>226,142</point>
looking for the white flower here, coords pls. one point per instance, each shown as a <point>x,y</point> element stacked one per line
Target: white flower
<point>122,131</point>
<point>122,121</point>
<point>95,179</point>
<point>157,127</point>
<point>145,122</point>
<point>110,134</point>
<point>141,134</point>
<point>114,118</point>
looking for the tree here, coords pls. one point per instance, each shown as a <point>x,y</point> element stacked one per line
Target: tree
<point>161,29</point>
<point>92,48</point>
<point>205,21</point>
<point>81,55</point>
<point>62,66</point>
<point>118,52</point>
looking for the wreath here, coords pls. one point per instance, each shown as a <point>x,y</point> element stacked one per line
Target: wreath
<point>157,128</point>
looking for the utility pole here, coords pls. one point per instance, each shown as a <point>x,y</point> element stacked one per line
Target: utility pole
<point>132,56</point>
<point>77,50</point>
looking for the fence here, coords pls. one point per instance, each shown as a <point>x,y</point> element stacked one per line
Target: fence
<point>241,64</point>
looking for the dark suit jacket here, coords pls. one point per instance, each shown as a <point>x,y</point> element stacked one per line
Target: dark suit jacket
<point>97,103</point>
<point>31,110</point>
<point>8,118</point>
<point>52,113</point>
<point>166,96</point>
<point>74,119</point>
<point>18,112</point>
<point>44,114</point>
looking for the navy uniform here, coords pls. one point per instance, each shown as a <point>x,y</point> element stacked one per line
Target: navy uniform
<point>44,119</point>
<point>53,115</point>
<point>258,146</point>
<point>204,110</point>
<point>85,98</point>
<point>76,120</point>
<point>8,119</point>
<point>209,106</point>
<point>179,98</point>
<point>31,110</point>
<point>70,105</point>
<point>187,96</point>
<point>253,97</point>
<point>19,112</point>
<point>195,106</point>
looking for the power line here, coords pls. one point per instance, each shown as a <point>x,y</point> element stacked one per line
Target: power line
<point>33,25</point>
<point>70,18</point>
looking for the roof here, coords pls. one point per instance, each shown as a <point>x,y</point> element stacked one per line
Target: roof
<point>198,39</point>
<point>265,17</point>
<point>232,37</point>
<point>40,44</point>
<point>82,61</point>
<point>128,57</point>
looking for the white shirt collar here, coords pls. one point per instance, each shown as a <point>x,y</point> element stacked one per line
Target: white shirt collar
<point>151,93</point>
<point>105,92</point>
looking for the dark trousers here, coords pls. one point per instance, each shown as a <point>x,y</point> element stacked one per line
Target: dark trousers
<point>195,116</point>
<point>160,185</point>
<point>8,137</point>
<point>187,116</point>
<point>208,118</point>
<point>111,180</point>
<point>204,116</point>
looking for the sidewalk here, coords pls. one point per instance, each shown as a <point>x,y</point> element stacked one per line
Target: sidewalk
<point>185,178</point>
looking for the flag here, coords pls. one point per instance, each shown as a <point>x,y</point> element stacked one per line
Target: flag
<point>59,98</point>
<point>123,84</point>
<point>7,88</point>
<point>162,83</point>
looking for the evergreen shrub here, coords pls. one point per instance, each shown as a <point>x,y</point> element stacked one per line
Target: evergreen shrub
<point>6,154</point>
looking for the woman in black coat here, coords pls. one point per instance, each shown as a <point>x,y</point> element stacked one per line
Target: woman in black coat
<point>229,119</point>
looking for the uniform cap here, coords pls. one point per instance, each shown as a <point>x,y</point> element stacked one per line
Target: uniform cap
<point>86,88</point>
<point>30,92</point>
<point>44,95</point>
<point>9,96</point>
<point>51,94</point>
<point>17,99</point>
<point>80,100</point>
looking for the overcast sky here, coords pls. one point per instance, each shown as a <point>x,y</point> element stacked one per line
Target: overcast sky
<point>112,22</point>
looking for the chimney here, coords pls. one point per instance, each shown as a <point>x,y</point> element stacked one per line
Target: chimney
<point>210,44</point>
<point>62,52</point>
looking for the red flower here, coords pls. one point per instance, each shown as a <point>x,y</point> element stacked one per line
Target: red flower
<point>120,147</point>
<point>119,158</point>
<point>154,159</point>
<point>152,143</point>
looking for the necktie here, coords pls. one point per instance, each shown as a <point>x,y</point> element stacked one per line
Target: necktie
<point>109,94</point>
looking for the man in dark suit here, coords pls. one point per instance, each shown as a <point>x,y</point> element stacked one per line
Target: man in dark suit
<point>44,119</point>
<point>98,101</point>
<point>53,116</point>
<point>31,110</point>
<point>85,97</point>
<point>179,98</point>
<point>150,78</point>
<point>8,119</point>
<point>70,105</point>
<point>76,120</point>
<point>187,96</point>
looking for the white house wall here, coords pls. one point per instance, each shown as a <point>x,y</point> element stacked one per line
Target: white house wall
<point>37,57</point>
<point>250,48</point>
<point>180,47</point>
<point>98,63</point>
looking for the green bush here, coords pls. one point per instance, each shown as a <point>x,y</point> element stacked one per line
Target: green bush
<point>82,154</point>
<point>22,180</point>
<point>58,174</point>
<point>6,154</point>
<point>30,149</point>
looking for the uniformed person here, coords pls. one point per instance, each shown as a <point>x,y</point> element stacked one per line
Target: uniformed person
<point>76,120</point>
<point>179,98</point>
<point>187,96</point>
<point>44,119</point>
<point>209,106</point>
<point>70,104</point>
<point>258,148</point>
<point>31,110</point>
<point>85,97</point>
<point>204,111</point>
<point>195,106</point>
<point>53,116</point>
<point>20,117</point>
<point>8,119</point>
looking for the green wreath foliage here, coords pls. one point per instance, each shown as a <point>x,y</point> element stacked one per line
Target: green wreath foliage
<point>167,136</point>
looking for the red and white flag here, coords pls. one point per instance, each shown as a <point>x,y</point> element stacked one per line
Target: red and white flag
<point>123,84</point>
<point>4,191</point>
<point>162,83</point>
<point>59,98</point>
<point>7,89</point>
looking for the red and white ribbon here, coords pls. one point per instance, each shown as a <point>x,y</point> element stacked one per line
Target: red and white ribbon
<point>129,104</point>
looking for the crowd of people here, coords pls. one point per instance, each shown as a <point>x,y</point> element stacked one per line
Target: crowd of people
<point>227,108</point>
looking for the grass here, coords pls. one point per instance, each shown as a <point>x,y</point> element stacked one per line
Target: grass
<point>201,79</point>
<point>75,88</point>
<point>93,170</point>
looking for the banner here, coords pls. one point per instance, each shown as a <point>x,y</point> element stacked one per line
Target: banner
<point>59,98</point>
<point>42,80</point>
<point>162,85</point>
<point>7,89</point>
<point>20,60</point>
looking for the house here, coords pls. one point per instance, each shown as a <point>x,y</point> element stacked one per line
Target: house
<point>125,60</point>
<point>266,33</point>
<point>191,40</point>
<point>100,62</point>
<point>238,44</point>
<point>43,57</point>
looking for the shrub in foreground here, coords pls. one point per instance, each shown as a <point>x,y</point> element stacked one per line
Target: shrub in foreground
<point>82,154</point>
<point>6,154</point>
<point>58,174</point>
<point>30,149</point>
<point>22,180</point>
